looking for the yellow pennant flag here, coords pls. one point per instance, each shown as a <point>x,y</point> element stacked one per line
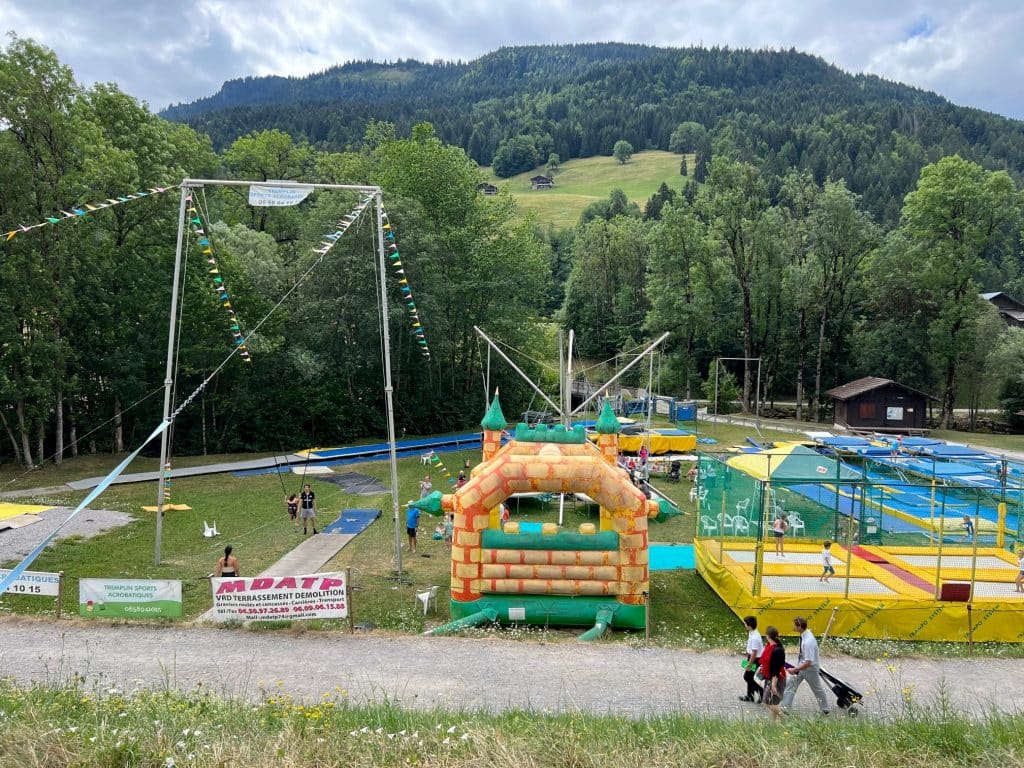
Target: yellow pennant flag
<point>10,235</point>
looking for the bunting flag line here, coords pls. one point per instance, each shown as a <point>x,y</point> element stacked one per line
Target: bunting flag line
<point>403,284</point>
<point>84,210</point>
<point>328,241</point>
<point>195,222</point>
<point>438,464</point>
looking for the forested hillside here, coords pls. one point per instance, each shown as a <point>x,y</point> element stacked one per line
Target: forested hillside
<point>776,109</point>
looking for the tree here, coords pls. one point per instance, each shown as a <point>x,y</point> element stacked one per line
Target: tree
<point>701,168</point>
<point>687,137</point>
<point>622,151</point>
<point>958,215</point>
<point>656,202</point>
<point>733,203</point>
<point>682,166</point>
<point>554,164</point>
<point>514,156</point>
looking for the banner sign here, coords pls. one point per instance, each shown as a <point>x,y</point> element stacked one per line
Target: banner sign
<point>277,196</point>
<point>264,598</point>
<point>129,598</point>
<point>36,583</point>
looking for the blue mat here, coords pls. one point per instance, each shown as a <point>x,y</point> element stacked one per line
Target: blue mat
<point>667,557</point>
<point>284,469</point>
<point>352,521</point>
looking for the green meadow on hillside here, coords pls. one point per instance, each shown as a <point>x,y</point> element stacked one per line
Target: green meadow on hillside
<point>581,182</point>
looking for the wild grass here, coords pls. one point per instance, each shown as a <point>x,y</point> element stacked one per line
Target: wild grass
<point>72,725</point>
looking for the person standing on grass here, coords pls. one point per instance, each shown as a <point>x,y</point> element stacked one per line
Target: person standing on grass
<point>826,562</point>
<point>808,668</point>
<point>307,501</point>
<point>227,566</point>
<point>425,486</point>
<point>412,523</point>
<point>779,527</point>
<point>755,647</point>
<point>773,670</point>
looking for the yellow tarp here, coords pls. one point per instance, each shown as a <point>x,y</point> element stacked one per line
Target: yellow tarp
<point>658,443</point>
<point>14,510</point>
<point>170,508</point>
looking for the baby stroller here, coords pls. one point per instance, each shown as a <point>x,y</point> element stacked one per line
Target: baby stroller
<point>846,697</point>
<point>674,472</point>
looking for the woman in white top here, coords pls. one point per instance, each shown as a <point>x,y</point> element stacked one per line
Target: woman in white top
<point>755,646</point>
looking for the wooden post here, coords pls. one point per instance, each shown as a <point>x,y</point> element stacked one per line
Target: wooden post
<point>60,594</point>
<point>348,601</point>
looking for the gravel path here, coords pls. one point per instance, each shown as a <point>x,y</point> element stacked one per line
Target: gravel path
<point>18,542</point>
<point>465,673</point>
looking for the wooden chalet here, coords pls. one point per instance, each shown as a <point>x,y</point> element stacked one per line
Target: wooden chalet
<point>541,182</point>
<point>1011,310</point>
<point>880,405</point>
<point>487,189</point>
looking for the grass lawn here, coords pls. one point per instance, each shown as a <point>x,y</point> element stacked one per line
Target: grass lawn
<point>250,515</point>
<point>581,182</point>
<point>983,439</point>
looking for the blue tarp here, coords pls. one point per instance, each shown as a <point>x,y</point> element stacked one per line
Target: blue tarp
<point>944,450</point>
<point>352,521</point>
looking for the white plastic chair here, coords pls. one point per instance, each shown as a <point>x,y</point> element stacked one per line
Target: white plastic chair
<point>701,496</point>
<point>426,597</point>
<point>796,524</point>
<point>740,526</point>
<point>693,493</point>
<point>742,506</point>
<point>708,527</point>
<point>426,458</point>
<point>209,532</point>
<point>726,521</point>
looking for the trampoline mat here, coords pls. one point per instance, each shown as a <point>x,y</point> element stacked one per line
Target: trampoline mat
<point>355,483</point>
<point>810,584</point>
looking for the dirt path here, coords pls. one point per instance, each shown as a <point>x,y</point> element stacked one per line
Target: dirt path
<point>464,673</point>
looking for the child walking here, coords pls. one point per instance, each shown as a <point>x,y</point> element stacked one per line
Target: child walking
<point>826,562</point>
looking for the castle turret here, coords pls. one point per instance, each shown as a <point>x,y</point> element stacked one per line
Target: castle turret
<point>493,423</point>
<point>608,429</point>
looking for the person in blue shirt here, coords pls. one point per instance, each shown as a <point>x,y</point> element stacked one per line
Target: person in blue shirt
<point>968,529</point>
<point>412,522</point>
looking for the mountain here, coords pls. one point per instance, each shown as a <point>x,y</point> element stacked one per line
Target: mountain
<point>782,109</point>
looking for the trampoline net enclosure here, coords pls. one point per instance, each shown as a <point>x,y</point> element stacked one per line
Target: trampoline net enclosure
<point>863,502</point>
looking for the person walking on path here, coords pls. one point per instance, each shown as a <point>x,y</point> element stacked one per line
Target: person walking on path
<point>412,522</point>
<point>755,647</point>
<point>227,566</point>
<point>307,500</point>
<point>773,670</point>
<point>779,526</point>
<point>828,570</point>
<point>808,668</point>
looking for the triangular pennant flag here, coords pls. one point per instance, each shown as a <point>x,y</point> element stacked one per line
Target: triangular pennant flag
<point>213,271</point>
<point>10,235</point>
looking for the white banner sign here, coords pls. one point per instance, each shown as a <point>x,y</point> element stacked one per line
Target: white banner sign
<point>277,196</point>
<point>129,598</point>
<point>264,598</point>
<point>34,583</point>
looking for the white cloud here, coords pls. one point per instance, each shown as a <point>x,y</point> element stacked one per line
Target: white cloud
<point>167,52</point>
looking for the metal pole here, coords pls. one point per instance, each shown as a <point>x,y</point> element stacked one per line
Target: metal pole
<point>568,380</point>
<point>516,368</point>
<point>370,190</point>
<point>388,386</point>
<point>613,379</point>
<point>561,379</point>
<point>716,389</point>
<point>757,400</point>
<point>169,373</point>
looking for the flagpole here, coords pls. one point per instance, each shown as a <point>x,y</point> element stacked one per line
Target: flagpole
<point>165,437</point>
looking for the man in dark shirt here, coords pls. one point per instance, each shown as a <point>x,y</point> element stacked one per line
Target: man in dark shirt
<point>307,509</point>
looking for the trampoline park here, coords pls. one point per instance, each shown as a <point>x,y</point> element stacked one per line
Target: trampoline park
<point>906,564</point>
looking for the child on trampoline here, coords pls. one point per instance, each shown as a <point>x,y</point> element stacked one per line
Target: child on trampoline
<point>779,527</point>
<point>826,561</point>
<point>1019,583</point>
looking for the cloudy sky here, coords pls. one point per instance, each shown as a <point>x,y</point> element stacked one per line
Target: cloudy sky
<point>180,50</point>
